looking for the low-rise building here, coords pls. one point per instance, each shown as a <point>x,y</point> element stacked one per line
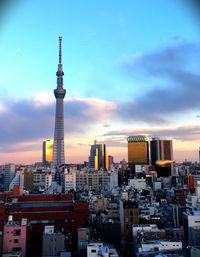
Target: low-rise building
<point>160,246</point>
<point>98,249</point>
<point>52,242</point>
<point>15,236</point>
<point>138,184</point>
<point>69,180</point>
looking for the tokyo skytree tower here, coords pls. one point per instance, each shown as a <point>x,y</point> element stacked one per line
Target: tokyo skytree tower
<point>59,92</point>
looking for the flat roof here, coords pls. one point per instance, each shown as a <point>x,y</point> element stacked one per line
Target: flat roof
<point>41,204</point>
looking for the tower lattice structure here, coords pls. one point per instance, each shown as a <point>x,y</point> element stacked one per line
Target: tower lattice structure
<point>59,92</point>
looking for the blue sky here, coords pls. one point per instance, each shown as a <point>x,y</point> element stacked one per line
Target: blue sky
<point>116,56</point>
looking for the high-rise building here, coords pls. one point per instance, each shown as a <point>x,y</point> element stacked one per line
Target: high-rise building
<point>9,173</point>
<point>128,216</point>
<point>59,92</point>
<point>110,161</point>
<point>161,150</point>
<point>138,150</point>
<point>98,157</point>
<point>47,151</point>
<point>199,154</point>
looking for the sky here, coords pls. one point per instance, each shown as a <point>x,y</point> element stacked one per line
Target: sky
<point>131,67</point>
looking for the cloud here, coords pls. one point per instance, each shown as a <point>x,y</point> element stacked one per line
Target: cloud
<point>106,125</point>
<point>114,142</point>
<point>184,133</point>
<point>32,120</point>
<point>175,71</point>
<point>2,107</point>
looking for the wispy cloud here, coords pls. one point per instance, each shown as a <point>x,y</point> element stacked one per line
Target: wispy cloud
<point>184,133</point>
<point>27,120</point>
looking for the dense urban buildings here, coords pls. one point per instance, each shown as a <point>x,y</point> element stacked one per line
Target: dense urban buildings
<point>59,92</point>
<point>29,214</point>
<point>148,206</point>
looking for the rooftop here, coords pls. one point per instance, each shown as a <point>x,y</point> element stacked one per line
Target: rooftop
<point>41,204</point>
<point>138,138</point>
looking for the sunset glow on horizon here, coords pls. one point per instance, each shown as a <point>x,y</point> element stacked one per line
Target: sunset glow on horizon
<point>128,69</point>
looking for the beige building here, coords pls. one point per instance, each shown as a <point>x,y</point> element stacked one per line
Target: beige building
<point>92,180</point>
<point>42,179</point>
<point>100,204</point>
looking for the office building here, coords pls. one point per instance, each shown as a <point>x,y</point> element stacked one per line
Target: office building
<point>83,240</point>
<point>128,216</point>
<point>138,150</point>
<point>191,225</point>
<point>199,154</point>
<point>47,152</point>
<point>124,175</point>
<point>162,157</point>
<point>59,92</point>
<point>110,162</point>
<point>98,157</point>
<point>28,180</point>
<point>52,242</point>
<point>9,173</point>
<point>161,150</point>
<point>92,180</point>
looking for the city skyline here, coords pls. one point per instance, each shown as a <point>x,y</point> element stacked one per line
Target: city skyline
<point>104,75</point>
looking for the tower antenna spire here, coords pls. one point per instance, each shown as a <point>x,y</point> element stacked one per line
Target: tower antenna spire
<point>60,49</point>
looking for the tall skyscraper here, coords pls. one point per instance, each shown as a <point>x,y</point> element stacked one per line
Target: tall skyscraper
<point>162,156</point>
<point>9,173</point>
<point>110,161</point>
<point>98,156</point>
<point>199,154</point>
<point>59,92</point>
<point>138,150</point>
<point>161,150</point>
<point>47,151</point>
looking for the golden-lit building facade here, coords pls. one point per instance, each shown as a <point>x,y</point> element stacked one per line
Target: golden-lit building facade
<point>138,150</point>
<point>98,157</point>
<point>47,155</point>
